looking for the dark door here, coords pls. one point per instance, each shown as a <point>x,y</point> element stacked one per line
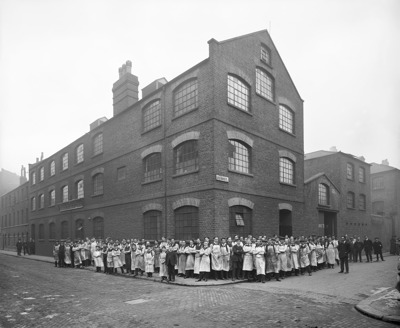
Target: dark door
<point>330,224</point>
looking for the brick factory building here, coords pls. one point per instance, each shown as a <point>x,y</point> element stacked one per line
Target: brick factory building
<point>218,150</point>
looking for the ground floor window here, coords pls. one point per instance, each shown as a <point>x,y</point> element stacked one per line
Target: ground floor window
<point>240,221</point>
<point>150,224</point>
<point>186,223</point>
<point>98,228</point>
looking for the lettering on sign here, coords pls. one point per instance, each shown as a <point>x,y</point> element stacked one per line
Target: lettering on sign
<point>222,178</point>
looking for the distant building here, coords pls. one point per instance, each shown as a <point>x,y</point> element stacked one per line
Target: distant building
<point>350,177</point>
<point>8,181</point>
<point>218,150</point>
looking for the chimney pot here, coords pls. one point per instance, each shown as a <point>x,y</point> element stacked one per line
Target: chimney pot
<point>385,162</point>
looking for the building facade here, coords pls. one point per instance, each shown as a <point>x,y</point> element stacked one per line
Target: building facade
<point>8,181</point>
<point>218,150</point>
<point>351,178</point>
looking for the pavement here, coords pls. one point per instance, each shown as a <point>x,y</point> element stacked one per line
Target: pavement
<point>383,304</point>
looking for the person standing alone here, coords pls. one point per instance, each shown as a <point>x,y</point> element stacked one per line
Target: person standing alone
<point>344,250</point>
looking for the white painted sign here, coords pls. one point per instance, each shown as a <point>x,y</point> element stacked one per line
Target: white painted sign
<point>222,178</point>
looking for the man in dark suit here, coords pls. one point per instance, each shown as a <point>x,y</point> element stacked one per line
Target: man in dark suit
<point>19,246</point>
<point>344,251</point>
<point>237,260</point>
<point>358,246</point>
<point>170,260</point>
<point>368,248</point>
<point>61,255</point>
<point>377,244</point>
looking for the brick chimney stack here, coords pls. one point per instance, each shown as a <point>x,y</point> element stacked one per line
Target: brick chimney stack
<point>126,89</point>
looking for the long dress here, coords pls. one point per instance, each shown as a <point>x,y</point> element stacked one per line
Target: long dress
<point>226,257</point>
<point>163,267</point>
<point>139,263</point>
<point>335,244</point>
<point>205,259</point>
<point>247,258</point>
<point>289,264</point>
<point>110,262</point>
<point>122,255</point>
<point>116,253</point>
<point>259,252</point>
<point>181,260</point>
<point>282,257</point>
<point>149,261</point>
<point>157,252</point>
<point>312,255</point>
<point>330,253</point>
<point>272,259</point>
<point>98,259</point>
<point>77,255</point>
<point>319,250</point>
<point>294,249</point>
<point>304,259</point>
<point>56,249</point>
<point>83,252</point>
<point>197,260</point>
<point>190,251</point>
<point>67,258</point>
<point>216,260</point>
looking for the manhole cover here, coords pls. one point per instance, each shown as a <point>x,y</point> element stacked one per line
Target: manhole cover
<point>138,301</point>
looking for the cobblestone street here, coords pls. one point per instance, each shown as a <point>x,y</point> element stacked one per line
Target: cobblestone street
<point>36,294</point>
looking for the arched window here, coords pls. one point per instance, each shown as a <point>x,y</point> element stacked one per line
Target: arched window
<point>64,230</point>
<point>52,168</point>
<point>361,175</point>
<point>52,230</point>
<point>238,93</point>
<point>98,184</point>
<point>150,224</point>
<point>33,203</point>
<point>152,167</point>
<point>240,220</point>
<point>285,222</point>
<point>41,173</point>
<point>186,157</point>
<point>98,144</point>
<point>64,160</point>
<point>152,115</point>
<point>79,189</point>
<point>286,119</point>
<point>64,192</point>
<point>286,170</point>
<point>41,231</point>
<point>265,85</point>
<point>79,229</point>
<point>323,194</point>
<point>350,200</point>
<point>33,176</point>
<point>186,97</point>
<point>239,156</point>
<point>79,154</point>
<point>350,171</point>
<point>52,197</point>
<point>41,201</point>
<point>186,222</point>
<point>98,228</point>
<point>362,202</point>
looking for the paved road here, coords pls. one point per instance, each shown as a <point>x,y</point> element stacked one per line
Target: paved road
<point>36,294</point>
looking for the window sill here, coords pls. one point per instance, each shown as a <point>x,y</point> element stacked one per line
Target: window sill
<point>185,173</point>
<point>324,206</point>
<point>63,170</point>
<point>288,184</point>
<point>287,132</point>
<point>185,113</point>
<point>149,182</point>
<point>266,63</point>
<point>241,173</point>
<point>97,155</point>
<point>98,195</point>
<point>240,109</point>
<point>152,129</point>
<point>79,163</point>
<point>269,100</point>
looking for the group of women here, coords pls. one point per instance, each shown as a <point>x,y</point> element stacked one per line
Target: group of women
<point>251,258</point>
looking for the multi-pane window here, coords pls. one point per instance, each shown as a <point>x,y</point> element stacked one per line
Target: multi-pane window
<point>238,93</point>
<point>378,208</point>
<point>350,200</point>
<point>186,98</point>
<point>64,230</point>
<point>52,196</point>
<point>266,55</point>
<point>52,168</point>
<point>186,157</point>
<point>41,173</point>
<point>65,161</point>
<point>186,223</point>
<point>98,184</point>
<point>52,230</point>
<point>33,203</point>
<point>150,221</point>
<point>64,192</point>
<point>361,202</point>
<point>323,194</point>
<point>152,167</point>
<point>33,178</point>
<point>41,231</point>
<point>239,156</point>
<point>286,170</point>
<point>361,175</point>
<point>152,115</point>
<point>79,230</point>
<point>240,220</point>
<point>378,183</point>
<point>265,84</point>
<point>79,154</point>
<point>98,228</point>
<point>121,173</point>
<point>350,171</point>
<point>98,144</point>
<point>41,201</point>
<point>286,119</point>
<point>79,189</point>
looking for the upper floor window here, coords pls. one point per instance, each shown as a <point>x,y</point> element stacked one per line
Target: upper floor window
<point>41,201</point>
<point>79,189</point>
<point>361,202</point>
<point>350,200</point>
<point>286,119</point>
<point>239,156</point>
<point>286,170</point>
<point>152,167</point>
<point>378,183</point>
<point>98,144</point>
<point>378,208</point>
<point>65,161</point>
<point>323,194</point>
<point>238,93</point>
<point>361,174</point>
<point>52,196</point>
<point>186,98</point>
<point>79,154</point>
<point>98,184</point>
<point>266,54</point>
<point>186,157</point>
<point>52,168</point>
<point>41,173</point>
<point>64,191</point>
<point>152,115</point>
<point>265,84</point>
<point>33,203</point>
<point>33,178</point>
<point>350,171</point>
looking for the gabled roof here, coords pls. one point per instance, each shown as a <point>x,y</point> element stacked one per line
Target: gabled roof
<point>322,153</point>
<point>317,176</point>
<point>379,168</point>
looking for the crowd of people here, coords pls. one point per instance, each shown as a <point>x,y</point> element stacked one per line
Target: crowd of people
<point>260,259</point>
<point>27,246</point>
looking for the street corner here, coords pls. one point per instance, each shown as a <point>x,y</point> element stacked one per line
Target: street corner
<point>383,304</point>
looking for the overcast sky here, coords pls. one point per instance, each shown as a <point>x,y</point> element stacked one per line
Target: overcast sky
<point>59,59</point>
